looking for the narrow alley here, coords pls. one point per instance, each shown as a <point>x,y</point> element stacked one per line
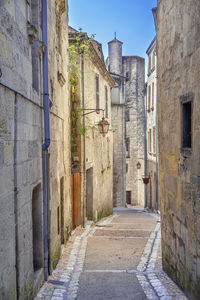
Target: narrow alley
<point>116,258</point>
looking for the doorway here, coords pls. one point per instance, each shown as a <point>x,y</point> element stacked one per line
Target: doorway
<point>89,194</point>
<point>76,199</point>
<point>62,209</point>
<point>37,228</point>
<point>128,197</point>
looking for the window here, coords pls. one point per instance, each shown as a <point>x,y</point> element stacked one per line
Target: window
<point>35,19</point>
<point>153,59</point>
<point>106,101</point>
<point>58,220</point>
<point>108,151</point>
<point>126,168</point>
<point>127,147</point>
<point>154,139</point>
<point>149,97</point>
<point>187,121</point>
<point>97,91</point>
<point>127,115</point>
<point>149,67</point>
<point>128,197</point>
<point>37,227</point>
<point>152,96</point>
<point>149,141</point>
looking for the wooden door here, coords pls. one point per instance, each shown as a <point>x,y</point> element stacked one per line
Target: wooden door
<point>76,199</point>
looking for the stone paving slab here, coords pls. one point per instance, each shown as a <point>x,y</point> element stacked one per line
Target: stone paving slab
<point>109,286</point>
<point>113,253</point>
<point>141,226</point>
<point>122,233</point>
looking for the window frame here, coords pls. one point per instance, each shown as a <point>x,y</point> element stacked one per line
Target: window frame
<point>106,101</point>
<point>185,99</point>
<point>152,95</point>
<point>97,91</point>
<point>149,98</point>
<point>154,139</point>
<point>149,141</point>
<point>127,147</point>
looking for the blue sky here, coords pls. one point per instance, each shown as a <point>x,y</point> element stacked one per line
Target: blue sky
<point>131,19</point>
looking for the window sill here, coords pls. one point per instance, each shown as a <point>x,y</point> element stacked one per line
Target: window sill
<point>186,151</point>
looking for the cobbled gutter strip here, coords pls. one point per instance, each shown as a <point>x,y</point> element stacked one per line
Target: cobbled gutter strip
<point>150,283</point>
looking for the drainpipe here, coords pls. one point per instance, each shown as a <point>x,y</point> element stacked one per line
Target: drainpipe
<point>157,170</point>
<point>84,147</point>
<point>47,135</point>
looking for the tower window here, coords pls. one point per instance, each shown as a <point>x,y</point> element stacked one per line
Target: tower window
<point>127,147</point>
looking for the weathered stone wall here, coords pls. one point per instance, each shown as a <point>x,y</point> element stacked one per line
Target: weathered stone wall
<point>133,68</point>
<point>119,155</point>
<point>60,148</point>
<point>99,148</point>
<point>21,138</point>
<point>151,125</point>
<point>127,94</point>
<point>118,123</point>
<point>178,43</point>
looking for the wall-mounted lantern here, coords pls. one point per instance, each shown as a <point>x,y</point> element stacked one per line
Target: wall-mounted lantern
<point>103,125</point>
<point>138,165</point>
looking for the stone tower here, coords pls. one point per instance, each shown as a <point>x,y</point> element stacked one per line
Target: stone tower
<point>118,122</point>
<point>133,69</point>
<point>128,122</point>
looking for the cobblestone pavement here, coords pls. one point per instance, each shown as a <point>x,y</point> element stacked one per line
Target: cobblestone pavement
<point>118,258</point>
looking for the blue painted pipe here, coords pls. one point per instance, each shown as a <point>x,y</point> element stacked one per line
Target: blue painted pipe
<point>45,76</point>
<point>47,135</point>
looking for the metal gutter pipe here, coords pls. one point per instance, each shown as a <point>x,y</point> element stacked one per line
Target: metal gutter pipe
<point>47,133</point>
<point>84,146</point>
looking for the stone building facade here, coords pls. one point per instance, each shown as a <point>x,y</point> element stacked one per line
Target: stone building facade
<point>93,153</point>
<point>128,120</point>
<point>151,129</point>
<point>28,175</point>
<point>178,45</point>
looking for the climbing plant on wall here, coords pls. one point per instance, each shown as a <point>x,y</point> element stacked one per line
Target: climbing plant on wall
<point>79,46</point>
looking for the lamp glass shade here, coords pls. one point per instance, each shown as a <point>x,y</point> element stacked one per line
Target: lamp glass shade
<point>103,126</point>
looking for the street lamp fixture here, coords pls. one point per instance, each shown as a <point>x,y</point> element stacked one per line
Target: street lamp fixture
<point>103,125</point>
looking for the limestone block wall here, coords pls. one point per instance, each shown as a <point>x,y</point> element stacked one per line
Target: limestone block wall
<point>151,128</point>
<point>178,43</point>
<point>119,158</point>
<point>99,149</point>
<point>115,66</point>
<point>21,138</point>
<point>60,147</point>
<point>133,68</point>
